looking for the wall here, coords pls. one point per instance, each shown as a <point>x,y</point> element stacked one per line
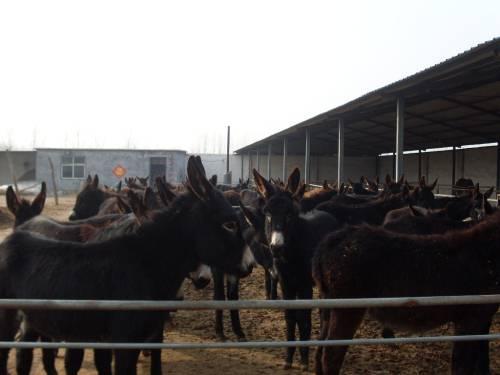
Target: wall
<point>102,162</point>
<point>23,163</point>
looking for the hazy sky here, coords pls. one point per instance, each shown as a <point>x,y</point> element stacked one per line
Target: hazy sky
<point>150,74</point>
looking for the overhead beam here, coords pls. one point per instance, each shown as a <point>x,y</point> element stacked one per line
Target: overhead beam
<point>448,125</point>
<point>473,106</point>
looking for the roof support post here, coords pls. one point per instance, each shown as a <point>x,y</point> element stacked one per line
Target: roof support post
<point>307,157</point>
<point>400,127</point>
<point>285,154</point>
<point>250,165</point>
<point>453,167</point>
<point>340,152</point>
<point>258,160</point>
<point>242,164</point>
<point>269,152</point>
<point>419,164</point>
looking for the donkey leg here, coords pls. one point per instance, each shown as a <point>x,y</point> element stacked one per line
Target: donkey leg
<point>343,324</point>
<point>324,318</point>
<point>233,289</point>
<point>156,355</point>
<point>483,363</point>
<point>73,361</point>
<point>102,361</point>
<point>49,358</point>
<point>126,361</point>
<point>24,357</point>
<point>8,326</point>
<point>220,296</point>
<point>304,323</point>
<point>472,357</point>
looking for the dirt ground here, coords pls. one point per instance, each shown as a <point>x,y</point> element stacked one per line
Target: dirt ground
<point>198,326</point>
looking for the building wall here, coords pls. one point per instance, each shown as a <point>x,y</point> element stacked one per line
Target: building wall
<point>23,163</point>
<point>102,162</point>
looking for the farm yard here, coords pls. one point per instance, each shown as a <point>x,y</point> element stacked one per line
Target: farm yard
<point>256,153</point>
<point>198,326</point>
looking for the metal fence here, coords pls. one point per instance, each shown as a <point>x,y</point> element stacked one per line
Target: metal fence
<point>410,302</point>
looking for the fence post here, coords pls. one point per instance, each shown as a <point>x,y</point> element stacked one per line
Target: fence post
<point>53,181</point>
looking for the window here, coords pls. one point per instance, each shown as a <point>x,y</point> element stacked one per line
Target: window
<point>73,166</point>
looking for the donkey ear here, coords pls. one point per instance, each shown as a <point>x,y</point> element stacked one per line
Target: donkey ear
<point>249,216</point>
<point>89,180</point>
<point>197,180</point>
<point>405,192</point>
<point>434,184</point>
<point>95,182</point>
<point>166,195</point>
<point>39,201</point>
<point>119,186</point>
<point>421,181</point>
<point>149,199</point>
<point>476,191</point>
<point>488,192</point>
<point>293,182</point>
<point>325,184</point>
<point>137,206</point>
<point>388,179</point>
<point>213,180</point>
<point>12,200</point>
<point>123,207</point>
<point>299,193</point>
<point>264,188</point>
<point>402,179</point>
<point>350,181</point>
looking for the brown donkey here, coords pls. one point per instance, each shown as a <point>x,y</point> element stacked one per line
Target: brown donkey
<point>370,262</point>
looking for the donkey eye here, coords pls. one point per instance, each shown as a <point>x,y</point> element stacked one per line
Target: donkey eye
<point>230,226</point>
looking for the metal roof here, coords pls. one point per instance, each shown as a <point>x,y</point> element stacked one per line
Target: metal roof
<point>453,103</point>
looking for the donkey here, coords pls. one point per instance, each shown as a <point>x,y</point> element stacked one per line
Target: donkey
<point>372,212</point>
<point>292,238</point>
<point>89,199</point>
<point>155,261</point>
<point>371,262</point>
<point>92,229</point>
<point>22,209</point>
<point>312,198</point>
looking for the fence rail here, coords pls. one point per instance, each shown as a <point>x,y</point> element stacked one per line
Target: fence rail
<point>25,304</point>
<point>247,345</point>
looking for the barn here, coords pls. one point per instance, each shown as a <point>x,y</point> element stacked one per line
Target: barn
<point>442,122</point>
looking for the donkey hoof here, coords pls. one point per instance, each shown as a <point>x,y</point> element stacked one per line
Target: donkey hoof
<point>146,353</point>
<point>288,365</point>
<point>304,367</point>
<point>221,338</point>
<point>388,333</point>
<point>242,339</point>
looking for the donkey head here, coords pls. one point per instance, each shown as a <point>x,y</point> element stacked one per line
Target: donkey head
<point>480,205</point>
<point>217,235</point>
<point>392,186</point>
<point>255,237</point>
<point>22,209</point>
<point>88,200</point>
<point>423,195</point>
<point>281,210</point>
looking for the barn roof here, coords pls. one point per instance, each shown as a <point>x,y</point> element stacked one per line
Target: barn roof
<point>453,103</point>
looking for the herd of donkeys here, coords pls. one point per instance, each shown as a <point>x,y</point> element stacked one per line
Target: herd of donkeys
<point>357,240</point>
